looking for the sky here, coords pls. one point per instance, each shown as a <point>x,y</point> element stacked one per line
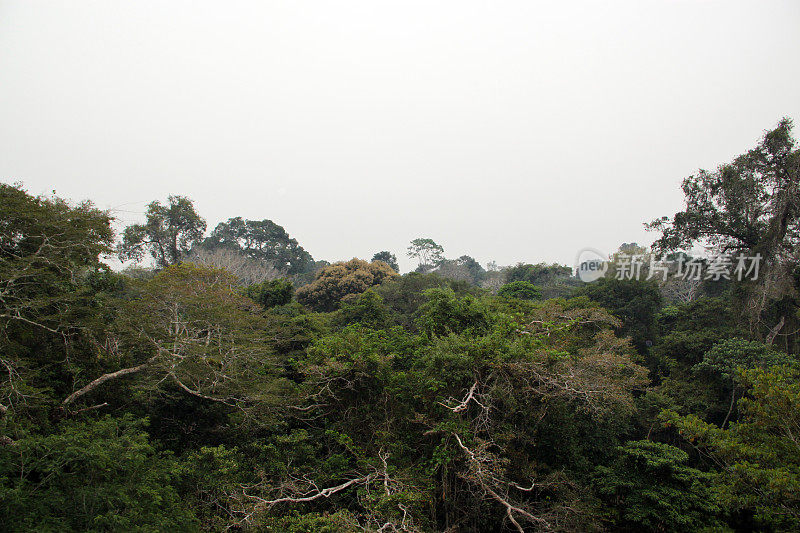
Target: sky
<point>509,131</point>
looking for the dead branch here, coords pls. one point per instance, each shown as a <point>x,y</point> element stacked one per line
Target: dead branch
<point>92,408</point>
<point>485,479</point>
<point>199,394</point>
<point>774,331</point>
<point>106,377</point>
<point>465,402</point>
<point>319,493</point>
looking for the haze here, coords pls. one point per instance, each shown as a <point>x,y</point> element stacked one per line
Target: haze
<point>509,131</point>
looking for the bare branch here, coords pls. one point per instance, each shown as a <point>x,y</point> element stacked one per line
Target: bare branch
<point>774,331</point>
<point>484,478</point>
<point>197,393</point>
<point>106,377</point>
<point>319,493</point>
<point>465,402</point>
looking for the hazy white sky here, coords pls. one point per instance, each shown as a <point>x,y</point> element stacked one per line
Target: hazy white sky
<point>510,131</point>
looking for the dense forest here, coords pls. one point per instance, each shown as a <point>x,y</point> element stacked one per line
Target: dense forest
<point>228,380</point>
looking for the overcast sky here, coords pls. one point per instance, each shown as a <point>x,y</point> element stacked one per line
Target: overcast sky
<point>509,131</point>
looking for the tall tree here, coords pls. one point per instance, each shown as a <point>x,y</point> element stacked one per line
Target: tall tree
<point>636,303</point>
<point>263,240</point>
<point>522,290</point>
<point>426,251</point>
<point>49,255</point>
<point>747,207</point>
<point>464,268</point>
<point>46,248</point>
<point>168,234</point>
<point>751,204</point>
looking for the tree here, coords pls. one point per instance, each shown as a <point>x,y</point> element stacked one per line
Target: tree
<point>759,456</point>
<point>523,290</point>
<point>726,357</point>
<point>555,281</point>
<point>262,240</point>
<point>445,313</point>
<point>271,293</point>
<point>538,274</point>
<point>366,309</point>
<point>49,261</point>
<point>747,207</point>
<point>188,327</point>
<point>722,362</point>
<point>46,248</point>
<point>635,302</point>
<point>465,268</point>
<point>405,294</point>
<point>687,333</point>
<point>168,234</point>
<point>426,251</point>
<point>97,475</point>
<point>651,488</point>
<point>689,330</point>
<point>247,270</point>
<point>474,268</point>
<point>336,281</point>
<point>387,257</point>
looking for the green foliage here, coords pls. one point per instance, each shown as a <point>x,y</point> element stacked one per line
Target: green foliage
<point>690,330</point>
<point>523,290</point>
<point>293,328</point>
<point>650,487</point>
<point>445,313</point>
<point>98,475</point>
<point>366,309</point>
<point>759,455</point>
<point>397,394</point>
<point>634,302</point>
<point>725,358</point>
<point>405,294</point>
<point>537,274</point>
<point>337,522</point>
<point>555,281</point>
<point>271,293</point>
<point>209,474</point>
